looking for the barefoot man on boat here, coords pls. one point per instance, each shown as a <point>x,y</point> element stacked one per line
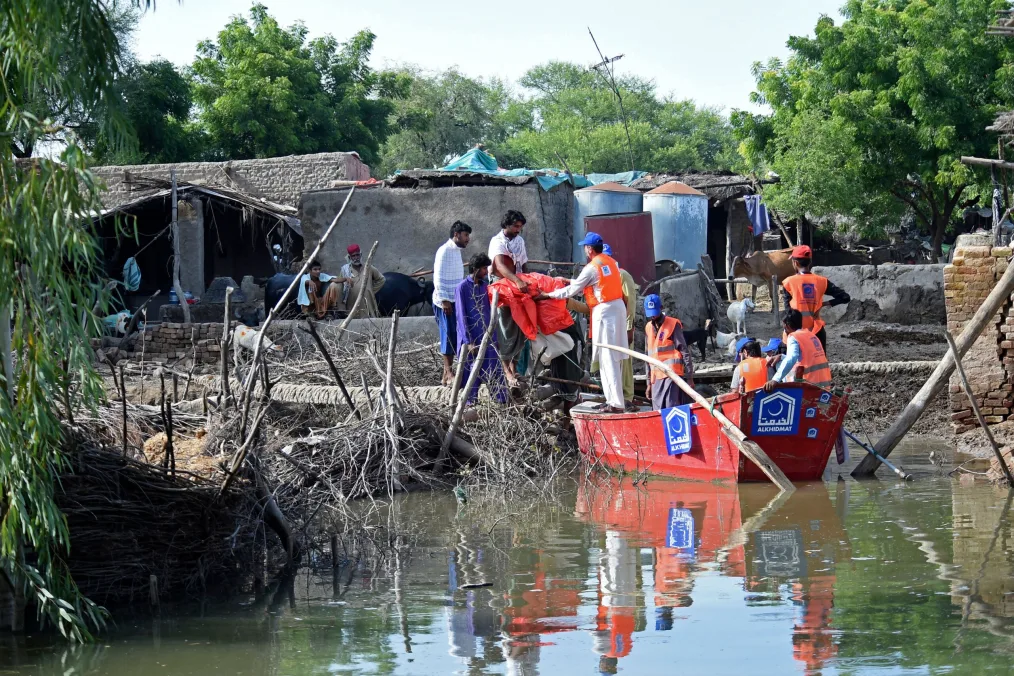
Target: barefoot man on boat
<point>602,287</point>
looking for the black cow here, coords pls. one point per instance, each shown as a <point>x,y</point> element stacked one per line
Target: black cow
<point>274,289</point>
<point>400,292</point>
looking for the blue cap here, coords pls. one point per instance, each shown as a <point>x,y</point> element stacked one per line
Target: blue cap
<point>590,239</point>
<point>652,306</point>
<point>773,345</point>
<point>740,344</point>
<point>607,250</point>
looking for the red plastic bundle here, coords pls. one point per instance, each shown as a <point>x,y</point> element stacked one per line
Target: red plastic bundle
<point>547,316</point>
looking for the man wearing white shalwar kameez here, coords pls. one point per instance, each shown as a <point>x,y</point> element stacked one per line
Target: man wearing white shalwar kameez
<point>601,285</point>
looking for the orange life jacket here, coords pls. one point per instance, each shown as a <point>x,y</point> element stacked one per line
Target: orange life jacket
<point>662,347</point>
<point>753,373</point>
<point>812,359</point>
<point>608,287</point>
<point>807,291</point>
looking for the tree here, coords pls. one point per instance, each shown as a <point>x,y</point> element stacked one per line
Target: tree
<point>263,91</point>
<point>575,115</point>
<point>870,118</point>
<point>156,100</point>
<point>442,117</point>
<point>49,284</point>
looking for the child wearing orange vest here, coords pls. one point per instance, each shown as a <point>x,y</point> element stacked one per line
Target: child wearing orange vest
<point>804,358</point>
<point>805,291</point>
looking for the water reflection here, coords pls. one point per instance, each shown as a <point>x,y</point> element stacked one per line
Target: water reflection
<point>617,578</point>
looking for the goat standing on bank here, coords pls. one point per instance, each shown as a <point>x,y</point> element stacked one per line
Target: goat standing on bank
<point>737,314</point>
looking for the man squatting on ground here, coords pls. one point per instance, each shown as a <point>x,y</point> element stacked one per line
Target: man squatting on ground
<point>354,275</point>
<point>447,274</point>
<point>318,292</point>
<point>602,287</point>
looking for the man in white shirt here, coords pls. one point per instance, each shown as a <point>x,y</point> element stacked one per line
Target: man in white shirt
<point>448,271</point>
<point>318,292</point>
<point>602,287</point>
<point>509,255</point>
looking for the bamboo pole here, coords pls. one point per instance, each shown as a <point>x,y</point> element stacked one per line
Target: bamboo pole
<point>908,417</point>
<point>456,386</point>
<point>123,404</point>
<point>748,448</point>
<point>975,409</point>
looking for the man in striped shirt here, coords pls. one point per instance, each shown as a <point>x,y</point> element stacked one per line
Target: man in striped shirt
<point>448,271</point>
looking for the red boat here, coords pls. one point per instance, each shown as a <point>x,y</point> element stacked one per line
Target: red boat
<point>797,425</point>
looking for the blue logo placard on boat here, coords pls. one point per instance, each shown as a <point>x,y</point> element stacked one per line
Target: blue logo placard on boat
<point>681,530</point>
<point>811,412</point>
<point>825,397</point>
<point>777,413</point>
<point>811,433</point>
<point>676,428</point>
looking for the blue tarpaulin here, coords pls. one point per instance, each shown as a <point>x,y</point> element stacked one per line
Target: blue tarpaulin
<point>623,178</point>
<point>480,162</point>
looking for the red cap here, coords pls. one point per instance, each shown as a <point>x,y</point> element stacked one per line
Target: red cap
<point>354,249</point>
<point>802,252</point>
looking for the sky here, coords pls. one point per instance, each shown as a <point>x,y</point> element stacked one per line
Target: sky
<point>696,49</point>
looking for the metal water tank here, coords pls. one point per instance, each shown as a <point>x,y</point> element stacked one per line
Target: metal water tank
<point>679,217</point>
<point>629,236</point>
<point>605,198</point>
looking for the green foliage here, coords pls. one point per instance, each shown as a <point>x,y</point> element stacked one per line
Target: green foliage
<point>870,118</point>
<point>574,113</point>
<point>263,91</point>
<point>68,50</point>
<point>157,102</point>
<point>444,116</point>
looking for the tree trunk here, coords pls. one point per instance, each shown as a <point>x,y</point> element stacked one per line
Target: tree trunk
<point>939,229</point>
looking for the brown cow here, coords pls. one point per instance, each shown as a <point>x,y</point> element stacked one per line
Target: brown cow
<point>759,267</point>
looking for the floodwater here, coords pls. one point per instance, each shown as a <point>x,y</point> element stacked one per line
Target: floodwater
<point>840,578</point>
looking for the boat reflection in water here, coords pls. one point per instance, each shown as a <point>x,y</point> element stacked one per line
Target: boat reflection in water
<point>684,529</point>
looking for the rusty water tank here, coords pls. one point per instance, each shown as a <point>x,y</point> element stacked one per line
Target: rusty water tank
<point>679,217</point>
<point>629,235</point>
<point>605,198</point>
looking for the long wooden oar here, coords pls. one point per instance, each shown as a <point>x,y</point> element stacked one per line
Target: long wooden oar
<point>748,448</point>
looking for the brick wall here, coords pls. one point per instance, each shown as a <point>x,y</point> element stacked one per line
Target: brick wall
<point>177,341</point>
<point>989,363</point>
<point>277,179</point>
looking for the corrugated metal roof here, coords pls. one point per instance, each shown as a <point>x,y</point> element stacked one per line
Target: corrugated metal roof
<point>675,188</point>
<point>608,187</point>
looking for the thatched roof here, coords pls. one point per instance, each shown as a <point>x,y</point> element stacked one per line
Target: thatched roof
<point>718,186</point>
<point>1004,123</point>
<point>434,178</point>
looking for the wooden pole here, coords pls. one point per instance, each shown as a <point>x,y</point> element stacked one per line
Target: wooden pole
<point>774,298</point>
<point>456,386</point>
<point>477,365</point>
<point>249,382</point>
<point>748,448</point>
<point>224,367</point>
<point>176,251</point>
<point>975,409</point>
<point>908,417</point>
<point>330,363</point>
<point>985,162</point>
<point>123,405</point>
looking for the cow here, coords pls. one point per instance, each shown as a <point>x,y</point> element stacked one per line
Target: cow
<point>759,267</point>
<point>400,292</point>
<point>274,288</point>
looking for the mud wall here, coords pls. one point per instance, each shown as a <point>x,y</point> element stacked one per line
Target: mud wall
<point>902,294</point>
<point>989,363</point>
<point>412,223</point>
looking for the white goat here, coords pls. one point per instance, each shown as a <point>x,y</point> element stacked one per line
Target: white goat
<point>737,314</point>
<point>245,339</point>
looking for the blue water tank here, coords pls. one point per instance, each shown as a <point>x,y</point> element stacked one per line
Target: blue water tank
<point>679,216</point>
<point>601,200</point>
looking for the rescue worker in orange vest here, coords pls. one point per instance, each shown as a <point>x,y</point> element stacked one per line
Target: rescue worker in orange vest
<point>804,358</point>
<point>805,291</point>
<point>665,342</point>
<point>602,287</point>
<point>752,372</point>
